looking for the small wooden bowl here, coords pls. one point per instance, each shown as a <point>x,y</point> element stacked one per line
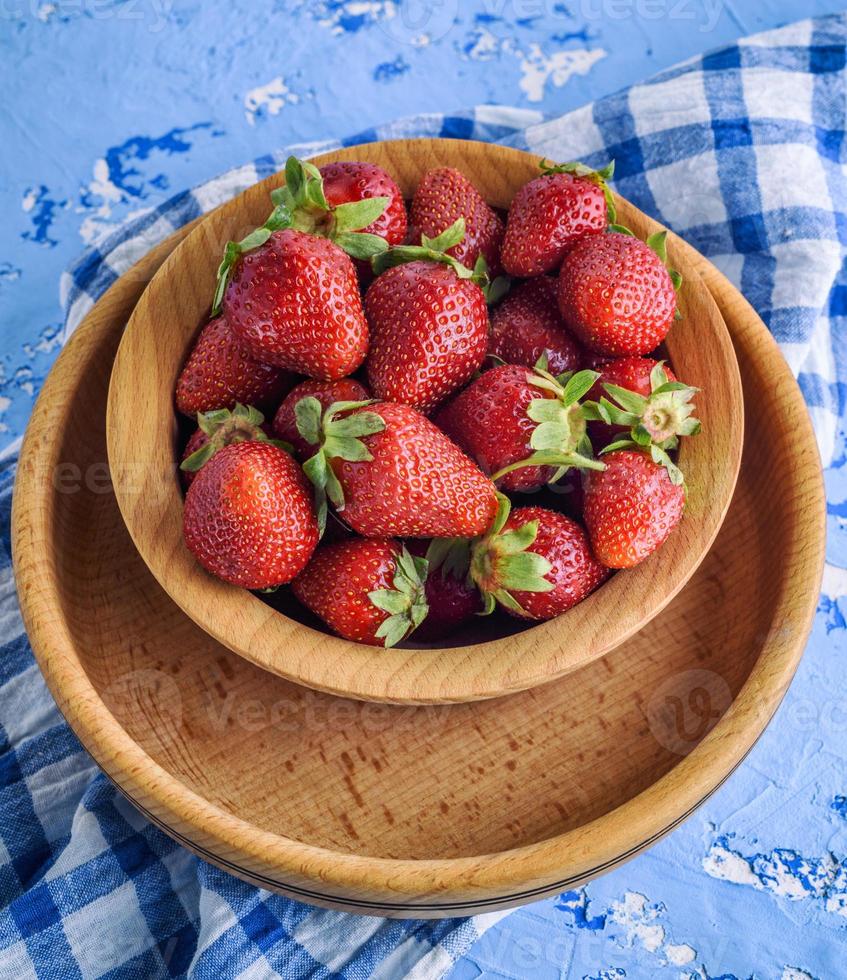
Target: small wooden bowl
<point>409,812</point>
<point>143,455</point>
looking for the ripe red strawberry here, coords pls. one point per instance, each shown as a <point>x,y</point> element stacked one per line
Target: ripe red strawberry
<point>452,598</point>
<point>549,214</point>
<point>534,562</point>
<point>294,302</point>
<point>249,517</point>
<point>326,392</point>
<point>222,428</point>
<point>443,196</point>
<point>639,404</point>
<point>527,325</point>
<point>289,288</point>
<point>348,181</point>
<point>630,508</point>
<point>221,372</point>
<point>521,425</point>
<point>429,325</point>
<point>616,295</point>
<point>371,591</point>
<point>390,472</point>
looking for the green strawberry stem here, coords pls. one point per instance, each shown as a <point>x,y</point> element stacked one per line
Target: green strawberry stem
<point>225,428</point>
<point>655,423</point>
<point>334,437</point>
<point>501,563</point>
<point>405,602</point>
<point>434,250</point>
<point>301,204</point>
<point>560,436</point>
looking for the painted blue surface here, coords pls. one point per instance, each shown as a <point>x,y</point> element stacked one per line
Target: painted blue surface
<point>112,105</point>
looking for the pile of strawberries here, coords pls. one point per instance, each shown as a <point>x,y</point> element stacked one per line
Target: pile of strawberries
<point>415,407</point>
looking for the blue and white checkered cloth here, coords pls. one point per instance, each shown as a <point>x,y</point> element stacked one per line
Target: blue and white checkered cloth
<point>742,153</point>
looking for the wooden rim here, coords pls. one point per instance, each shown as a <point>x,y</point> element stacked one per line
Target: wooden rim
<point>533,870</point>
<point>143,459</point>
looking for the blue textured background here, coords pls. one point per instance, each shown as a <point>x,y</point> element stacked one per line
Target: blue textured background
<point>112,105</point>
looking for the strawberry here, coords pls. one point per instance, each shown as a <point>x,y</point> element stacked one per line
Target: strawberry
<point>443,196</point>
<point>294,302</point>
<point>428,321</point>
<point>221,371</point>
<point>223,428</point>
<point>290,291</point>
<point>549,214</point>
<point>521,425</point>
<point>630,508</point>
<point>452,598</point>
<point>371,591</point>
<point>390,472</point>
<point>644,406</point>
<point>348,181</point>
<point>326,392</point>
<point>616,295</point>
<point>249,517</point>
<point>527,325</point>
<point>534,562</point>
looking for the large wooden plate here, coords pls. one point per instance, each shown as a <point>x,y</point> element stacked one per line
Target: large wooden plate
<point>428,811</point>
<point>143,453</point>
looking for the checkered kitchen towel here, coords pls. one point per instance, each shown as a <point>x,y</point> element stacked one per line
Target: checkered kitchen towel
<point>742,152</point>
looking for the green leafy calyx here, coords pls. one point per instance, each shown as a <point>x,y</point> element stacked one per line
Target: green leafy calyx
<point>301,204</point>
<point>655,422</point>
<point>659,244</point>
<point>560,437</point>
<point>405,602</point>
<point>451,557</point>
<point>435,250</point>
<point>599,177</point>
<point>503,562</point>
<point>335,435</point>
<point>225,428</point>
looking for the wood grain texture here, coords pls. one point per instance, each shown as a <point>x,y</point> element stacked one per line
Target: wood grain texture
<point>394,810</point>
<point>144,452</point>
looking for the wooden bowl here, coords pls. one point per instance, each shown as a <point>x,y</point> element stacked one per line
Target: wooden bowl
<point>427,811</point>
<point>144,450</point>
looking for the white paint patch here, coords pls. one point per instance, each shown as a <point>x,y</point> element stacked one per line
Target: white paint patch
<point>269,99</point>
<point>795,973</point>
<point>335,15</point>
<point>46,11</point>
<point>728,866</point>
<point>834,582</point>
<point>637,918</point>
<point>679,954</point>
<point>558,68</point>
<point>484,46</point>
<point>96,224</point>
<point>4,404</point>
<point>29,200</point>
